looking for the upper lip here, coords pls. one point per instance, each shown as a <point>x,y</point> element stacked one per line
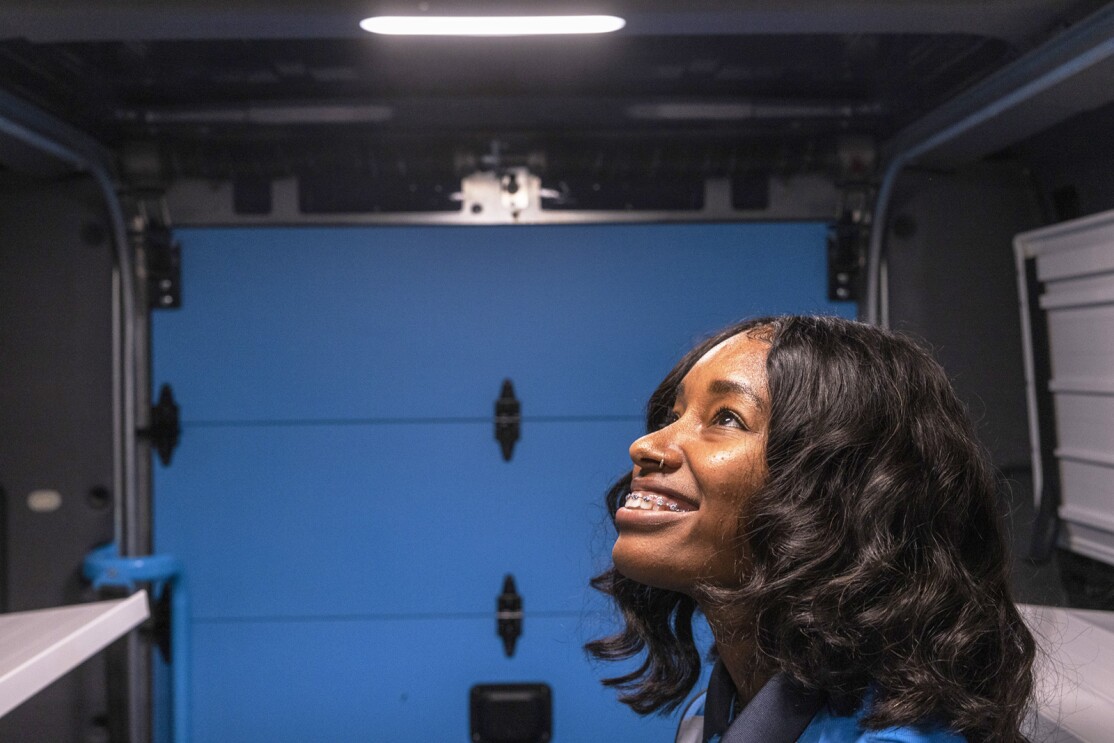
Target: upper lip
<point>646,485</point>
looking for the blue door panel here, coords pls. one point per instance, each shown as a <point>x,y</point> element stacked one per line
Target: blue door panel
<point>395,680</point>
<point>283,521</point>
<point>409,322</point>
<point>338,499</point>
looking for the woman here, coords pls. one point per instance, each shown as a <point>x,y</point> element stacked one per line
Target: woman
<point>813,487</point>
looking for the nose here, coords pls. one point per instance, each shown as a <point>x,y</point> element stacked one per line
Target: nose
<point>653,452</point>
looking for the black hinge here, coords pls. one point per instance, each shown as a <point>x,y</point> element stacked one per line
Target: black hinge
<point>165,429</point>
<point>164,268</point>
<point>847,241</point>
<point>508,615</point>
<point>508,420</point>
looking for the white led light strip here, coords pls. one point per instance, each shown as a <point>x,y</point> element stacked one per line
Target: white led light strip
<point>492,25</point>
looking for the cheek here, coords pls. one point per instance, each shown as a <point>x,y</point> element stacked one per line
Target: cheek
<point>737,475</point>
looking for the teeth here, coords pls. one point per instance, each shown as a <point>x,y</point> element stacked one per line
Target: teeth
<point>645,502</point>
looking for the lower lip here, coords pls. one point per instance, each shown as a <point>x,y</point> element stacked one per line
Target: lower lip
<point>634,517</point>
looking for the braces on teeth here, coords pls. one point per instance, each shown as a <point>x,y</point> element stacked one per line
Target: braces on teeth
<point>656,500</point>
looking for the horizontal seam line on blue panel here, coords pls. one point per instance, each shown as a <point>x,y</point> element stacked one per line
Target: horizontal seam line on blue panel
<point>378,617</point>
<point>294,422</point>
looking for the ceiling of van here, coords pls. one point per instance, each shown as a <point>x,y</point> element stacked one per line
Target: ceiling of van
<point>233,89</point>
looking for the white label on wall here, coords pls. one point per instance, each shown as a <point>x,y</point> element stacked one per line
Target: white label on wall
<point>44,501</point>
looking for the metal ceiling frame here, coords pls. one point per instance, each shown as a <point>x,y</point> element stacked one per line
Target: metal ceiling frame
<point>1072,73</point>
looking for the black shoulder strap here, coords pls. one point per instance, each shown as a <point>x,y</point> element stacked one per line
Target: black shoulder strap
<point>778,713</point>
<point>718,701</point>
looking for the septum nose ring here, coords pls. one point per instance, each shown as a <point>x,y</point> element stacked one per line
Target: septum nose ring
<point>661,464</point>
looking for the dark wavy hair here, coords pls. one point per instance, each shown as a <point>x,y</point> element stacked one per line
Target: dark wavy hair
<point>875,555</point>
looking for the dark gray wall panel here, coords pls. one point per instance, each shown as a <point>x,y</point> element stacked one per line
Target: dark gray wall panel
<point>55,421</point>
<point>953,284</point>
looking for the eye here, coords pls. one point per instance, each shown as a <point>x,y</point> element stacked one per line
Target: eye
<point>728,417</point>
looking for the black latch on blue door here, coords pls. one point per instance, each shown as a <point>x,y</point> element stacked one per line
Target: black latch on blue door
<point>508,419</point>
<point>508,615</point>
<point>164,429</point>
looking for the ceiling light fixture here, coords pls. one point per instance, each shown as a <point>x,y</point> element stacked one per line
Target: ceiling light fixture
<point>492,25</point>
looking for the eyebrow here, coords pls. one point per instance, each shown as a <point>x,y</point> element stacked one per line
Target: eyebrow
<point>733,387</point>
<point>729,387</point>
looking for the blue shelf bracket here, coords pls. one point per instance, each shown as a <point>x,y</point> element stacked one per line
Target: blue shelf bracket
<point>106,568</point>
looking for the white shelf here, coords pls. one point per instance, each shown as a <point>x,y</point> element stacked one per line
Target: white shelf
<point>37,647</point>
<point>1075,673</point>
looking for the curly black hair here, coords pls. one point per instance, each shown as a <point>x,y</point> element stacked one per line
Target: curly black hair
<point>875,555</point>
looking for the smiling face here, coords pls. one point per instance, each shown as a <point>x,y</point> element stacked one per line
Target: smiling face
<point>692,477</point>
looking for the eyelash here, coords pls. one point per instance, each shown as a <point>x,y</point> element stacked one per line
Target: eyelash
<point>728,413</point>
<point>671,417</point>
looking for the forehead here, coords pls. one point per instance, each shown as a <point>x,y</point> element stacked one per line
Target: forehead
<point>740,357</point>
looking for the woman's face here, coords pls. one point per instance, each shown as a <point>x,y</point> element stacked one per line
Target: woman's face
<point>692,477</point>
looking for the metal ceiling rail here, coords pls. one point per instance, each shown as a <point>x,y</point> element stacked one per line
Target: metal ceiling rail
<point>69,154</point>
<point>1073,72</point>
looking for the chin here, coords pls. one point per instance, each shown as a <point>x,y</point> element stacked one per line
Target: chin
<point>645,569</point>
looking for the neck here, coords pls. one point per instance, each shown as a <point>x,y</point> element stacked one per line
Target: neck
<point>736,650</point>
